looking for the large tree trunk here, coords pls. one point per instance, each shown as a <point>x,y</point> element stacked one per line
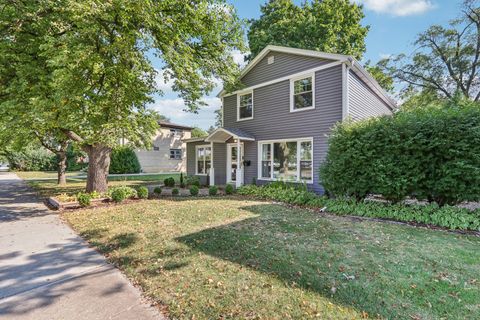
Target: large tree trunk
<point>62,167</point>
<point>98,165</point>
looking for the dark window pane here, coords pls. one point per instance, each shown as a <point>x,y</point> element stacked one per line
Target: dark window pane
<point>303,85</point>
<point>303,100</point>
<point>285,161</point>
<point>246,112</point>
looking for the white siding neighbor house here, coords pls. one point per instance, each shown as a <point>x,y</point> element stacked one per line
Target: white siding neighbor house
<point>168,153</point>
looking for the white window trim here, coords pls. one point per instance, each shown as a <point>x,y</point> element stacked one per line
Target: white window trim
<point>271,142</point>
<point>238,105</point>
<point>292,89</point>
<point>196,159</point>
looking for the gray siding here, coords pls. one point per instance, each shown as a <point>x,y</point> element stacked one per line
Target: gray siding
<point>363,102</point>
<point>219,161</point>
<point>273,119</point>
<point>284,64</point>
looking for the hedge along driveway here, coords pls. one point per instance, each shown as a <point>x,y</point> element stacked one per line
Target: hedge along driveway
<point>238,258</point>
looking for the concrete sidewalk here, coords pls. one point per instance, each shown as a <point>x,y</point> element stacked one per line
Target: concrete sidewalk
<point>48,272</point>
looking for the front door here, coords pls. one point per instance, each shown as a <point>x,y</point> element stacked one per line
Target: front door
<point>232,157</point>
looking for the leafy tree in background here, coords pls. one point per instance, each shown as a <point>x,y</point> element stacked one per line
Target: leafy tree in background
<point>384,79</point>
<point>198,133</point>
<point>324,25</point>
<point>99,78</point>
<point>446,60</point>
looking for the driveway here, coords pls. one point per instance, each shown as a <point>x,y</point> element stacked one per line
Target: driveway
<point>48,272</point>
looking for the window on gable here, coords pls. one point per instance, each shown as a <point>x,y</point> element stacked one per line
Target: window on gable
<point>245,106</point>
<point>302,94</point>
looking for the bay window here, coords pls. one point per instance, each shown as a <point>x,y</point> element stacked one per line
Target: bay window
<point>203,156</point>
<point>286,160</point>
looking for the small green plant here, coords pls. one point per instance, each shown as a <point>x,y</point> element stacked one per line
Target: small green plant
<point>142,192</point>
<point>175,192</point>
<point>229,189</point>
<point>181,179</point>
<point>157,191</point>
<point>84,199</point>
<point>169,182</point>
<point>119,194</point>
<point>213,190</point>
<point>194,190</point>
<point>192,181</point>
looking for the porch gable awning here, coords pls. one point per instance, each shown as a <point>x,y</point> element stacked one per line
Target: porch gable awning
<point>223,134</point>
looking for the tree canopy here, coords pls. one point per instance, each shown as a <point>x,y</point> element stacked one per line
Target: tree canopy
<point>86,72</point>
<point>446,60</point>
<point>325,25</point>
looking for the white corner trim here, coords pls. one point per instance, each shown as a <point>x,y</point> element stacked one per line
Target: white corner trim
<point>292,88</point>
<point>345,91</point>
<point>242,93</point>
<point>223,111</point>
<point>267,83</point>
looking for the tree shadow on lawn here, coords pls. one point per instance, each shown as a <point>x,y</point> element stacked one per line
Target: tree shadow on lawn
<point>379,269</point>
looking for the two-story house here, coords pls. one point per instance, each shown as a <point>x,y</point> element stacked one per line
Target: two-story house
<point>277,126</point>
<point>168,151</point>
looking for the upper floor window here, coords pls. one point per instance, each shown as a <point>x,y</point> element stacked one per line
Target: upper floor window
<point>302,93</point>
<point>176,132</point>
<point>176,154</point>
<point>245,106</point>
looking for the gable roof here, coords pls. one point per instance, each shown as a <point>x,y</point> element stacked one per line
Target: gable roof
<point>356,67</point>
<point>166,124</point>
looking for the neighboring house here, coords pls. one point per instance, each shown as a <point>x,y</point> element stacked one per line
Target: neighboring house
<point>277,127</point>
<point>168,152</point>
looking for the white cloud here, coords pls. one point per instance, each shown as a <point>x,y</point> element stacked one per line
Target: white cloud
<point>173,109</point>
<point>239,58</point>
<point>398,7</point>
<point>385,55</point>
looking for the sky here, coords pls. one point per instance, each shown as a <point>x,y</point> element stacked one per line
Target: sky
<point>393,27</point>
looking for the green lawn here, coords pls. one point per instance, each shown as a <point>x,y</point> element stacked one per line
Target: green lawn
<point>236,258</point>
<point>31,175</point>
<point>47,188</point>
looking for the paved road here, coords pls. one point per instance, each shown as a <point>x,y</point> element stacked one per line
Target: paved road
<point>48,272</point>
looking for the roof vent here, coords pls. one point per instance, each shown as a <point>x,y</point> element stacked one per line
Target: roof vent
<point>271,59</point>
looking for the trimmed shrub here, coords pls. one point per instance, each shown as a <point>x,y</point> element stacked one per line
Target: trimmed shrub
<point>192,181</point>
<point>157,190</point>
<point>84,199</point>
<point>194,190</point>
<point>175,192</point>
<point>124,160</point>
<point>427,153</point>
<point>213,190</point>
<point>169,182</point>
<point>182,182</point>
<point>142,192</point>
<point>118,194</point>
<point>229,189</point>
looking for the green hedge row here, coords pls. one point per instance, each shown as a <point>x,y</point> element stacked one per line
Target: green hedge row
<point>447,216</point>
<point>430,154</point>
